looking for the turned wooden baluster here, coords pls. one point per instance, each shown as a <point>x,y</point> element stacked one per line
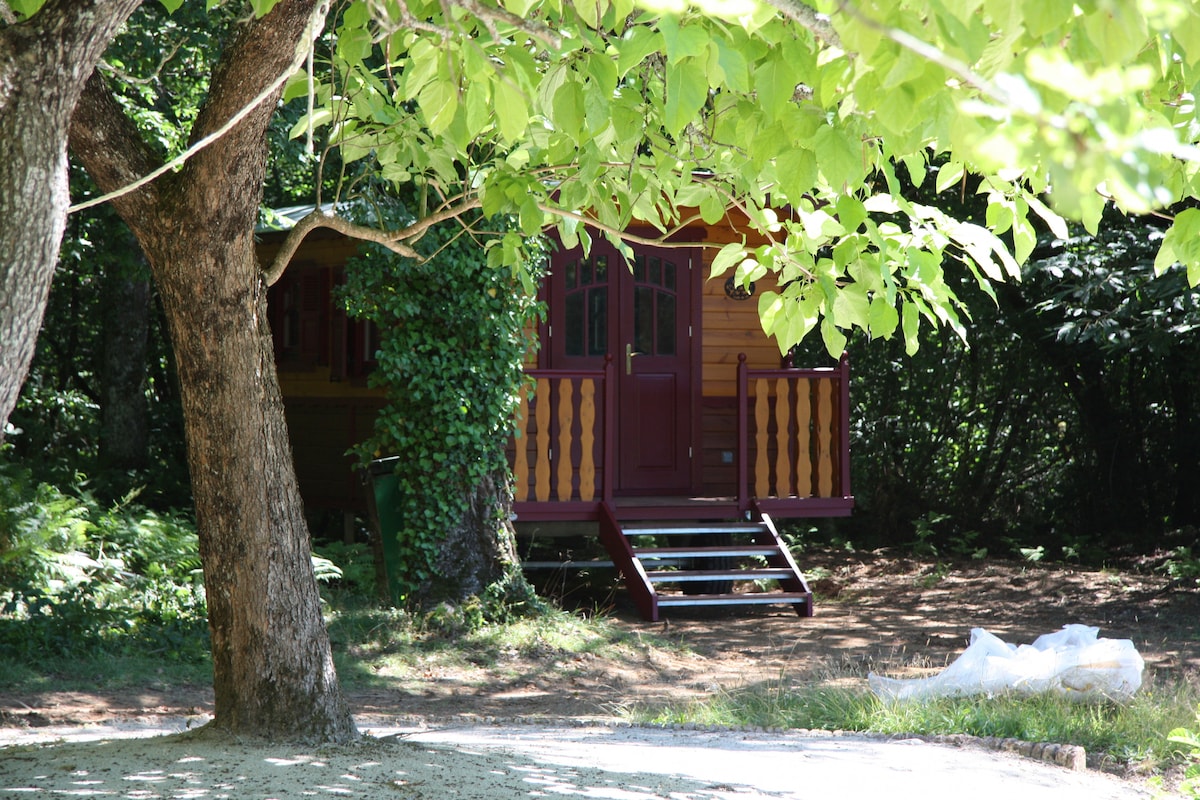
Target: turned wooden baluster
<point>566,420</point>
<point>783,409</point>
<point>541,487</point>
<point>587,439</point>
<point>521,443</point>
<point>804,487</point>
<point>824,436</point>
<point>762,470</point>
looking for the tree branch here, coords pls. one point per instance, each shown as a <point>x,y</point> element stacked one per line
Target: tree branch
<point>394,240</point>
<point>6,13</point>
<point>808,17</point>
<point>489,16</point>
<point>625,235</point>
<point>299,57</point>
<point>110,147</point>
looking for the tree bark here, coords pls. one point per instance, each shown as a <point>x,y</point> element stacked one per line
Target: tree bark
<point>44,63</point>
<point>273,672</point>
<point>479,553</point>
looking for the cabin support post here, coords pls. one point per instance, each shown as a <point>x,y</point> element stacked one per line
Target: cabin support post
<point>844,424</point>
<point>743,450</point>
<point>610,427</point>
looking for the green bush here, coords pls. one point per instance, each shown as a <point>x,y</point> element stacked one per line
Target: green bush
<point>1190,740</point>
<point>80,579</point>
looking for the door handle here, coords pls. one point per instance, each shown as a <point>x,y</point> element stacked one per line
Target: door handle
<point>629,354</point>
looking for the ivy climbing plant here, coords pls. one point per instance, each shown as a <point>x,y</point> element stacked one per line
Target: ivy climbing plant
<point>454,334</point>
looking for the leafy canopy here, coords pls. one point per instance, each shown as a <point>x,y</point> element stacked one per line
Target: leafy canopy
<point>810,121</point>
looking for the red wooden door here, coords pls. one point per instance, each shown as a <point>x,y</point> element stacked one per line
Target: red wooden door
<point>643,318</point>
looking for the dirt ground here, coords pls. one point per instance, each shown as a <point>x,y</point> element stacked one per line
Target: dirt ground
<point>874,611</point>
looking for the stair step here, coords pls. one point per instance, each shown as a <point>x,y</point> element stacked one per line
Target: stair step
<point>688,529</point>
<point>757,598</point>
<point>705,552</point>
<point>718,574</point>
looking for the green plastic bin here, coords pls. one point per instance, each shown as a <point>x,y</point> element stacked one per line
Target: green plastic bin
<point>388,519</point>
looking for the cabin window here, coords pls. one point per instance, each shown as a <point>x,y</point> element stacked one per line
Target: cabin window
<point>586,306</point>
<point>289,315</point>
<point>654,306</point>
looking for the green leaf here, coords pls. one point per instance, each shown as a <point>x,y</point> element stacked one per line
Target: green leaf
<point>635,47</point>
<point>512,110</point>
<point>321,116</point>
<point>1182,244</point>
<point>882,318</point>
<point>770,310</point>
<point>834,339</point>
<point>262,7</point>
<point>729,255</point>
<point>439,103</point>
<point>911,324</point>
<point>797,168</point>
<point>851,212</point>
<point>851,307</point>
<point>682,41</point>
<point>1056,224</point>
<point>712,210</point>
<point>687,89</point>
<point>569,110</point>
<point>839,158</point>
<point>1024,236</point>
<point>948,175</point>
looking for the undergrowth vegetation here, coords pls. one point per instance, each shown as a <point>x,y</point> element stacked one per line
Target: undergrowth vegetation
<point>112,595</point>
<point>79,579</point>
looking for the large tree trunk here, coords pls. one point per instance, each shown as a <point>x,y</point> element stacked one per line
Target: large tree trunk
<point>273,671</point>
<point>44,63</point>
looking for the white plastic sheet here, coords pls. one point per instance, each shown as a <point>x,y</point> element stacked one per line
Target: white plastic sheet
<point>1071,662</point>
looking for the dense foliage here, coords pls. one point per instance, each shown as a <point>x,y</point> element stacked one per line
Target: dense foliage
<point>1066,428</point>
<point>454,334</point>
<point>77,577</point>
<point>594,117</point>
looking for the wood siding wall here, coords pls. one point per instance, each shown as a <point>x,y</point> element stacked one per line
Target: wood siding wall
<point>329,408</point>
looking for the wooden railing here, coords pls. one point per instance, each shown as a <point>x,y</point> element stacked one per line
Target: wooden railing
<point>563,437</point>
<point>800,433</point>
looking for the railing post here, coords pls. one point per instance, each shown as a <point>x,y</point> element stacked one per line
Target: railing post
<point>844,422</point>
<point>610,427</point>
<point>743,452</point>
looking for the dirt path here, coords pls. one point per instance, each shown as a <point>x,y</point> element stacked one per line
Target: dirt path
<point>875,611</point>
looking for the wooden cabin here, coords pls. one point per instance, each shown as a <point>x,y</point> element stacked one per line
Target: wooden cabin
<point>661,413</point>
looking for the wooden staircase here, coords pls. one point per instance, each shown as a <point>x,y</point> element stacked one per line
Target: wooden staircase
<point>703,564</point>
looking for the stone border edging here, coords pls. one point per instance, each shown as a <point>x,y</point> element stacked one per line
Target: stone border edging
<point>1070,756</point>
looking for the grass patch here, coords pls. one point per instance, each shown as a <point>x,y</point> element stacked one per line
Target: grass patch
<point>1133,733</point>
<point>374,646</point>
<point>101,672</point>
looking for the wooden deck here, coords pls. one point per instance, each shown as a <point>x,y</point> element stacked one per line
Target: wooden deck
<point>791,454</point>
